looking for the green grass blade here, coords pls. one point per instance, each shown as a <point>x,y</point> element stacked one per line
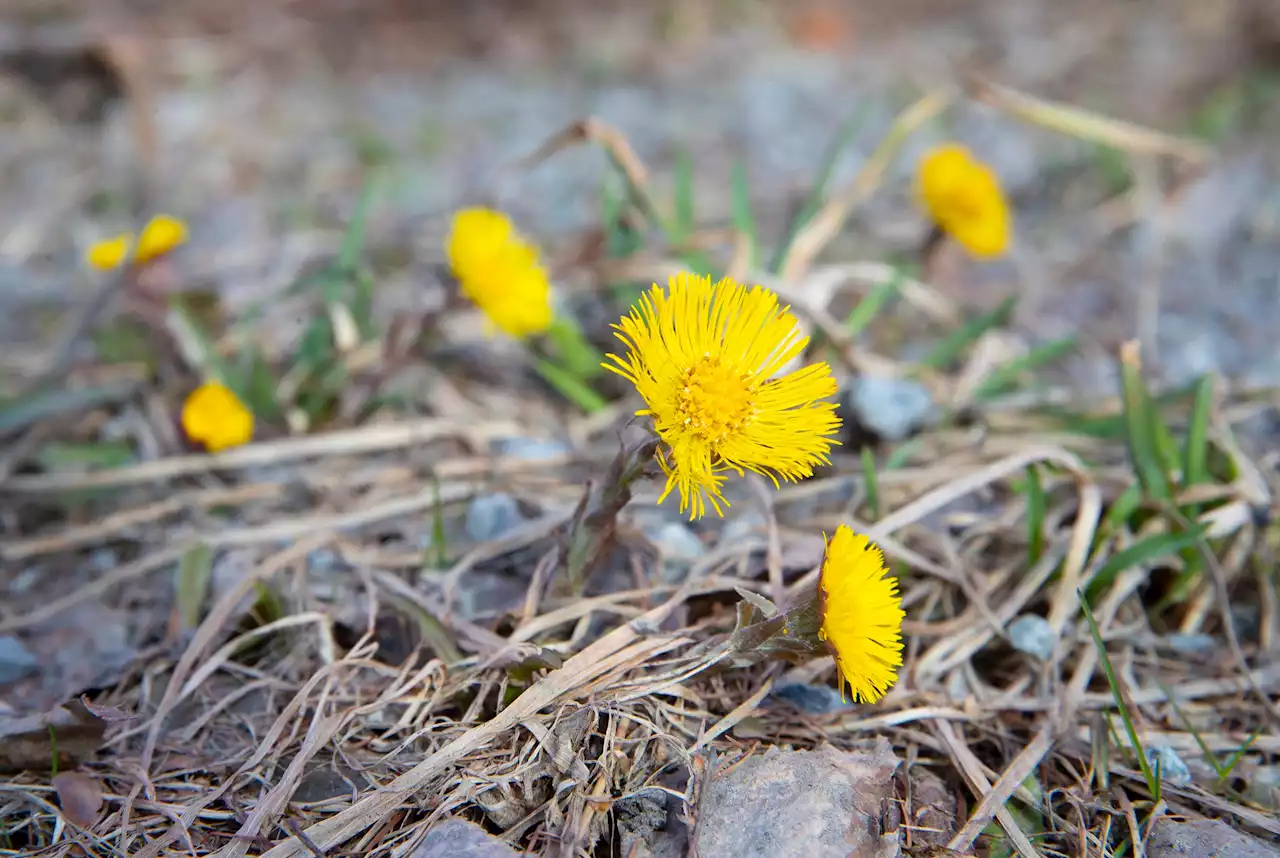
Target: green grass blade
<point>195,569</point>
<point>352,248</point>
<point>1141,416</point>
<point>866,310</point>
<point>1036,511</point>
<point>818,193</point>
<point>571,387</point>
<point>1195,454</point>
<point>1144,551</point>
<point>959,341</point>
<point>1004,379</point>
<point>1153,783</point>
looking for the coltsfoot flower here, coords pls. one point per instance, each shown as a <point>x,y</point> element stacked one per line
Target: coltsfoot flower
<point>703,357</point>
<point>499,272</point>
<point>861,616</point>
<point>963,197</point>
<point>215,418</point>
<point>161,235</point>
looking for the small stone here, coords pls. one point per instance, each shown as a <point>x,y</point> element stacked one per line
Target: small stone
<point>492,516</point>
<point>813,699</point>
<point>457,838</point>
<point>16,661</point>
<point>892,408</point>
<point>1032,635</point>
<point>1169,765</point>
<point>530,449</point>
<point>680,548</point>
<point>325,560</point>
<point>745,526</point>
<point>1203,838</point>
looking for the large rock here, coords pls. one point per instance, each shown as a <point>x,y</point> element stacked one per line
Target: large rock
<point>817,804</point>
<point>1204,838</point>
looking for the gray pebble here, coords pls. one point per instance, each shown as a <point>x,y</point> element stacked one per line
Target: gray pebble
<point>892,408</point>
<point>492,516</point>
<point>16,661</point>
<point>680,548</point>
<point>1171,767</point>
<point>1032,635</point>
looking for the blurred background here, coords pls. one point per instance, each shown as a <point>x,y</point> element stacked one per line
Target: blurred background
<point>258,122</point>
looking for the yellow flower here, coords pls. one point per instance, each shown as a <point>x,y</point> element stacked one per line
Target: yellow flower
<point>161,235</point>
<point>500,272</point>
<point>963,197</point>
<point>861,616</point>
<point>703,359</point>
<point>215,417</point>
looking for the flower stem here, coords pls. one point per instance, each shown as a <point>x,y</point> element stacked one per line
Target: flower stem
<point>594,524</point>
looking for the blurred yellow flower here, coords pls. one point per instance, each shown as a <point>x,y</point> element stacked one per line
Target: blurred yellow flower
<point>703,357</point>
<point>963,197</point>
<point>215,417</point>
<point>861,616</point>
<point>161,235</point>
<point>500,272</point>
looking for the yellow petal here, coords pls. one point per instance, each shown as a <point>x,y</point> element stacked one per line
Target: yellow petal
<point>161,235</point>
<point>110,253</point>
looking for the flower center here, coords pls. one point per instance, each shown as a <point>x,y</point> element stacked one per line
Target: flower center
<point>716,400</point>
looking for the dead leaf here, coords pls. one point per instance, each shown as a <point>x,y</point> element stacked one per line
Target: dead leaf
<point>110,714</point>
<point>80,797</point>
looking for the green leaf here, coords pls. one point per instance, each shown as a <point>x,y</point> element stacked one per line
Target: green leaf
<point>576,354</point>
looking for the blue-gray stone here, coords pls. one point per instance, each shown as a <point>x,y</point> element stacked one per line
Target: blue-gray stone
<point>16,661</point>
<point>1033,635</point>
<point>1171,767</point>
<point>530,449</point>
<point>814,699</point>
<point>892,408</point>
<point>492,516</point>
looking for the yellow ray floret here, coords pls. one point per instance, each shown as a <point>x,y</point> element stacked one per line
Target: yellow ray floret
<point>162,234</point>
<point>861,616</point>
<point>964,198</point>
<point>703,357</point>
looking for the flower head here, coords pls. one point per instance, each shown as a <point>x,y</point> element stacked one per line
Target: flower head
<point>703,357</point>
<point>215,417</point>
<point>500,272</point>
<point>160,236</point>
<point>963,197</point>
<point>861,616</point>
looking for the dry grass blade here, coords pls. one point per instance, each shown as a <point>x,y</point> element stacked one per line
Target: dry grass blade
<point>621,644</point>
<point>826,224</point>
<point>351,442</point>
<point>969,765</point>
<point>995,798</point>
<point>1084,124</point>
